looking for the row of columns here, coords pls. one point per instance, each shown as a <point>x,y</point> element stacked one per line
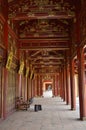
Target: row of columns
<point>39,84</point>
<point>67,84</point>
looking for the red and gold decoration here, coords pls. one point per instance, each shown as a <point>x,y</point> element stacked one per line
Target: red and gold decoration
<point>21,67</point>
<point>9,60</point>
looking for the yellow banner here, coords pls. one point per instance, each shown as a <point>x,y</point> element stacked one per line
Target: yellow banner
<point>21,67</point>
<point>9,60</point>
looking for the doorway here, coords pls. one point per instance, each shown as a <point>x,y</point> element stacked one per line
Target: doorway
<point>47,89</point>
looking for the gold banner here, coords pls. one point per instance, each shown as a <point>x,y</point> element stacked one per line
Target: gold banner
<point>9,60</point>
<point>21,67</point>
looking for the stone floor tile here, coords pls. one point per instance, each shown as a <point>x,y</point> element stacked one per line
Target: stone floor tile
<point>55,115</point>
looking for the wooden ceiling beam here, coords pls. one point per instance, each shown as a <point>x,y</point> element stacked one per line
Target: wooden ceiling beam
<point>43,40</point>
<point>46,67</point>
<point>46,63</point>
<point>43,48</point>
<point>28,17</point>
<point>47,58</point>
<point>37,52</point>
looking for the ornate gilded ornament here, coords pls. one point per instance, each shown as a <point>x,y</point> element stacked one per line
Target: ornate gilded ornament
<point>41,6</point>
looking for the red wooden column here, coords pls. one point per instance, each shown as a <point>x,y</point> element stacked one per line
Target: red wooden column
<point>82,87</point>
<point>61,83</point>
<point>68,82</point>
<point>64,82</point>
<point>25,88</point>
<point>37,85</point>
<point>18,87</point>
<point>67,86</point>
<point>63,92</point>
<point>31,87</point>
<point>55,86</point>
<point>72,84</point>
<point>41,93</point>
<point>33,83</point>
<point>22,87</point>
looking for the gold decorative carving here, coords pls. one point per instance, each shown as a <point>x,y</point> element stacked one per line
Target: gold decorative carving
<point>47,77</point>
<point>42,27</point>
<point>40,6</point>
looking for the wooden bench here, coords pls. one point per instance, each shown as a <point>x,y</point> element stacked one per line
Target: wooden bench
<point>21,104</point>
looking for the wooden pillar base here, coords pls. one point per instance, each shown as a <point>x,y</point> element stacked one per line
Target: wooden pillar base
<point>83,118</point>
<point>67,103</point>
<point>73,109</point>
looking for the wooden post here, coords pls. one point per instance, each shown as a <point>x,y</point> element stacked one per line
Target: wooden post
<point>82,87</point>
<point>67,85</point>
<point>72,83</point>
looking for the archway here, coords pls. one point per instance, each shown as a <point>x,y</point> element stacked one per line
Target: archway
<point>47,89</point>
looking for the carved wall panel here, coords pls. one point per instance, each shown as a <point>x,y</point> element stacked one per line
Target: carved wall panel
<point>11,92</point>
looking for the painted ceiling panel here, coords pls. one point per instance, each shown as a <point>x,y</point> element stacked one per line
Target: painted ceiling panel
<point>41,7</point>
<point>44,30</point>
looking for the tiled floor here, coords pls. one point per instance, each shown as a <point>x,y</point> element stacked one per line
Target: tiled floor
<point>55,115</point>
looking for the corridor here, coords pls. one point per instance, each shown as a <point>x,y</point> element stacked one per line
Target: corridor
<point>55,115</point>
